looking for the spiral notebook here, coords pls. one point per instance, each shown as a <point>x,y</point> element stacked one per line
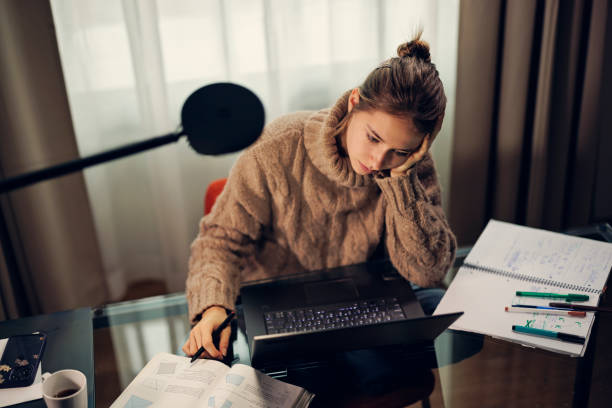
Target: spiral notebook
<point>508,258</point>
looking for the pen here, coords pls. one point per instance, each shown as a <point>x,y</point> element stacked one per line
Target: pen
<point>547,310</point>
<point>215,335</point>
<point>572,338</point>
<point>571,297</point>
<point>565,308</point>
<point>582,307</point>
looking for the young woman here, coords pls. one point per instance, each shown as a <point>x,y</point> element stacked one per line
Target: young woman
<point>329,188</point>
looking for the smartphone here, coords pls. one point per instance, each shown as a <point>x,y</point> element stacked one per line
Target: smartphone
<point>20,359</point>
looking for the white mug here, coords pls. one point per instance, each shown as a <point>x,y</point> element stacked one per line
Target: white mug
<point>65,389</point>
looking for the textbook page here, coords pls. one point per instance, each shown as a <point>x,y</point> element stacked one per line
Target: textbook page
<point>246,387</point>
<point>172,381</point>
<point>483,296</point>
<point>544,255</point>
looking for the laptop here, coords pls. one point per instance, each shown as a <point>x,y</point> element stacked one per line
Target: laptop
<point>304,317</point>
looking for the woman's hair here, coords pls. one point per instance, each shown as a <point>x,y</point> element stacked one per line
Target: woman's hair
<point>408,84</point>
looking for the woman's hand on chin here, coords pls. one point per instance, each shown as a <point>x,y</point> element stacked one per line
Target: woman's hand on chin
<point>417,156</point>
<point>413,159</point>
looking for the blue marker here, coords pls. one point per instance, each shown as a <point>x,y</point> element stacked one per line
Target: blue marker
<point>572,338</point>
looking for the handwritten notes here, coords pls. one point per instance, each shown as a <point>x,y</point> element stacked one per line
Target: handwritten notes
<point>568,261</point>
<point>509,258</point>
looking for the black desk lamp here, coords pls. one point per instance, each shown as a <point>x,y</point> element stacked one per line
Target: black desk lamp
<point>217,119</point>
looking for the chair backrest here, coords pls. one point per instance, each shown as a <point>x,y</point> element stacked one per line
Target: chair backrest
<point>212,192</point>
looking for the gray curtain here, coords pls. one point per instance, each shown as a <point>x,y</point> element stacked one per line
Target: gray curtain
<point>530,119</point>
<point>49,258</point>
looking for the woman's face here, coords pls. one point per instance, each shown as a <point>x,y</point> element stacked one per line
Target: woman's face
<point>376,140</point>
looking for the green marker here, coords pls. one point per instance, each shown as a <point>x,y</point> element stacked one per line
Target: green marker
<point>571,297</point>
<point>572,338</point>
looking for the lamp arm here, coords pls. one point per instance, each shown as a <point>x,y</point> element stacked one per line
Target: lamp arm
<point>23,180</point>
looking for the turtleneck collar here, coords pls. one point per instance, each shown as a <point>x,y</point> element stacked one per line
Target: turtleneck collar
<point>324,148</point>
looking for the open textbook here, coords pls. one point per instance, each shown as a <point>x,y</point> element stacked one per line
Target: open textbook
<point>508,258</point>
<point>169,380</point>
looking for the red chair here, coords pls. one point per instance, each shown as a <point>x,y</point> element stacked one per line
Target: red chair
<point>212,192</point>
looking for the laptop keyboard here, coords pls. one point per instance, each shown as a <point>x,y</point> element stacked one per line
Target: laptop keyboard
<point>339,315</point>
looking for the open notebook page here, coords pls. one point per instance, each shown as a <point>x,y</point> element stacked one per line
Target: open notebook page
<point>483,297</point>
<point>544,255</point>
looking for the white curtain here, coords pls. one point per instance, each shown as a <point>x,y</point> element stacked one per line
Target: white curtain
<point>130,64</point>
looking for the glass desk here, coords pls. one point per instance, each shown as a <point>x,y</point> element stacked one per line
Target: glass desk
<point>127,335</point>
<point>117,340</point>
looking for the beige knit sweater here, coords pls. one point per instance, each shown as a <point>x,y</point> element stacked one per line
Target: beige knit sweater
<point>293,203</point>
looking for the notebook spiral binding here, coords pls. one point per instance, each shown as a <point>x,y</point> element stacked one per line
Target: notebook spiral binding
<point>540,281</point>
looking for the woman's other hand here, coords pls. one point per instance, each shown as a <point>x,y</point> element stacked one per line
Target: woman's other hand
<point>201,335</point>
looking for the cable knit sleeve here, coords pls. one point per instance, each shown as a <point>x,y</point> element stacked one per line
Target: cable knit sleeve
<point>419,240</point>
<point>227,237</point>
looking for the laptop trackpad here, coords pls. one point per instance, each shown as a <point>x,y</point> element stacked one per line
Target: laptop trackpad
<point>331,291</point>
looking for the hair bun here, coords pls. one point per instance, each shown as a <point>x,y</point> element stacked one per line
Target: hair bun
<point>416,48</point>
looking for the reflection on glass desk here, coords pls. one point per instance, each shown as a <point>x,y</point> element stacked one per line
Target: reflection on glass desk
<point>127,335</point>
